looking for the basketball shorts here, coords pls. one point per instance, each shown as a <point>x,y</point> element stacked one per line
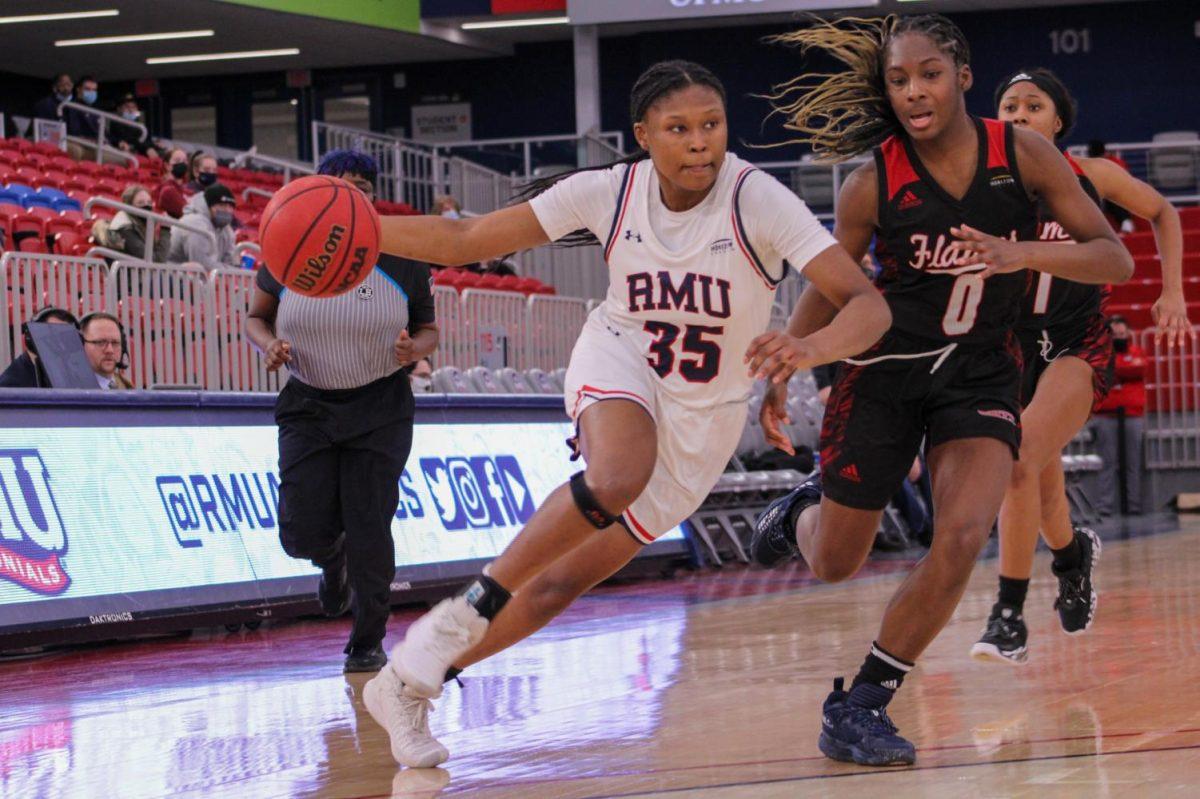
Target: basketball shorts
<point>694,444</point>
<point>1089,340</point>
<point>899,393</point>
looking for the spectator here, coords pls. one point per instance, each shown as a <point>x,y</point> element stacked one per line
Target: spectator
<point>126,138</point>
<point>127,232</point>
<point>26,371</point>
<point>211,210</point>
<point>1118,424</point>
<point>421,376</point>
<point>79,123</point>
<point>501,267</point>
<point>447,206</point>
<point>172,194</point>
<point>203,172</point>
<point>104,346</point>
<point>60,92</point>
<point>1120,218</point>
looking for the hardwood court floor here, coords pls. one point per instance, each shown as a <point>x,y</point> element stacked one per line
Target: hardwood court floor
<point>709,685</point>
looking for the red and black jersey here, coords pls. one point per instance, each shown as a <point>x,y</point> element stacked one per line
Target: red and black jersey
<point>1052,302</point>
<point>929,295</point>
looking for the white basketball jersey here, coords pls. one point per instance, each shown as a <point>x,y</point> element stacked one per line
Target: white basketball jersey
<point>692,312</point>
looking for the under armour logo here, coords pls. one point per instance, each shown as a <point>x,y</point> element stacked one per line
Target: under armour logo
<point>631,236</point>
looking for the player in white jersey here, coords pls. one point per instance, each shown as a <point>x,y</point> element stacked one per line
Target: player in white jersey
<point>696,241</point>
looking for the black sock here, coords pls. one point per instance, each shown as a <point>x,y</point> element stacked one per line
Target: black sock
<point>485,595</point>
<point>1012,592</point>
<point>451,674</point>
<point>878,679</point>
<point>1069,557</point>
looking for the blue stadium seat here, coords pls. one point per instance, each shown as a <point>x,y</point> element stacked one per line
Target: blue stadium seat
<point>451,380</point>
<point>542,382</point>
<point>21,190</point>
<point>51,194</point>
<point>485,382</point>
<point>513,381</point>
<point>36,201</point>
<point>68,204</point>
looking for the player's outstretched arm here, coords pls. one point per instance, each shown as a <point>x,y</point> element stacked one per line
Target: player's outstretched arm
<point>454,242</point>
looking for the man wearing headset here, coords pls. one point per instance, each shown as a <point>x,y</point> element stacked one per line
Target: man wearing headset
<point>104,346</point>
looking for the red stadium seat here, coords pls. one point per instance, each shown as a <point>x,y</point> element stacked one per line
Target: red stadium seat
<point>65,242</point>
<point>28,224</point>
<point>89,168</point>
<point>510,283</point>
<point>467,280</point>
<point>546,290</point>
<point>529,285</point>
<point>446,277</point>
<point>61,224</point>
<point>28,174</point>
<point>47,149</point>
<point>1190,217</point>
<point>106,188</point>
<point>45,214</point>
<point>491,282</point>
<point>31,244</point>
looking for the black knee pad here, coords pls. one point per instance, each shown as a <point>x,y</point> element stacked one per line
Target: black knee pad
<point>585,500</point>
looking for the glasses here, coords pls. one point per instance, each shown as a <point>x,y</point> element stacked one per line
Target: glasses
<point>104,343</point>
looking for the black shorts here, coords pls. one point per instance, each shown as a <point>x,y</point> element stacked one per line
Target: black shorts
<point>879,413</point>
<point>1089,340</point>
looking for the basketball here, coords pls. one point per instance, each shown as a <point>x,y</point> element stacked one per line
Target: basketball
<point>319,236</point>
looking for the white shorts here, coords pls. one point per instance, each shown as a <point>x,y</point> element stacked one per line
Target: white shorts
<point>694,445</point>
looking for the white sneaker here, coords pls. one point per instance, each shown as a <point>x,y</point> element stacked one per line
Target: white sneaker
<point>421,783</point>
<point>434,642</point>
<point>405,716</point>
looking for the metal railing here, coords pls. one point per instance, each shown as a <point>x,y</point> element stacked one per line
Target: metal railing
<point>153,221</point>
<point>1172,424</point>
<point>407,172</point>
<point>478,189</point>
<point>237,364</point>
<point>48,130</point>
<point>1171,166</point>
<point>289,168</point>
<point>32,281</point>
<point>816,183</point>
<point>163,311</point>
<point>554,323</point>
<point>103,119</point>
<point>535,156</point>
<point>254,190</point>
<point>573,271</point>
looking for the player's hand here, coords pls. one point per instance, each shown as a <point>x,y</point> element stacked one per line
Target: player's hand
<point>278,353</point>
<point>405,349</point>
<point>1170,317</point>
<point>998,256</point>
<point>774,411</point>
<point>775,356</point>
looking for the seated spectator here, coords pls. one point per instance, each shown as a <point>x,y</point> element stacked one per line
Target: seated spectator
<point>127,232</point>
<point>421,376</point>
<point>104,346</point>
<point>171,194</point>
<point>500,267</point>
<point>212,210</point>
<point>79,123</point>
<point>447,206</point>
<point>60,91</point>
<point>203,172</point>
<point>126,138</point>
<point>26,371</point>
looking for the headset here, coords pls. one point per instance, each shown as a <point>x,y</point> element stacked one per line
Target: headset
<point>123,361</point>
<point>41,316</point>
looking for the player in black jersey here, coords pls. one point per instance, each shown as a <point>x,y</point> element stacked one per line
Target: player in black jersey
<point>952,203</point>
<point>1068,354</point>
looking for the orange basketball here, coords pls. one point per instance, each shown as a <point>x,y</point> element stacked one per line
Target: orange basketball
<point>319,236</point>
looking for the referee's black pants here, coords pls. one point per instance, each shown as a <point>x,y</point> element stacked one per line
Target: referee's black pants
<point>341,454</point>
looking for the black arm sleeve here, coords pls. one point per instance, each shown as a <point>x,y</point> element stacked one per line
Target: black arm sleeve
<point>267,282</point>
<point>418,287</point>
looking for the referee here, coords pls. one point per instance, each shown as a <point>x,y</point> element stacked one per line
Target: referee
<point>345,421</point>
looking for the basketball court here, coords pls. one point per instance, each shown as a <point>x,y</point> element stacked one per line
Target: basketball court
<point>706,685</point>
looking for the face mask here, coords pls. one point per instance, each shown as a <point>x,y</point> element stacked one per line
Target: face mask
<point>178,170</point>
<point>451,214</point>
<point>89,97</point>
<point>62,97</point>
<point>130,114</point>
<point>1121,344</point>
<point>206,178</point>
<point>221,219</point>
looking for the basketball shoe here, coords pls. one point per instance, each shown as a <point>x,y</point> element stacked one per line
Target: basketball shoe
<point>405,716</point>
<point>1003,639</point>
<point>774,538</point>
<point>1076,602</point>
<point>862,735</point>
<point>434,642</point>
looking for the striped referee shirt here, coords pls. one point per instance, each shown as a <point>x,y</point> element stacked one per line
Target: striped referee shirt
<point>347,341</point>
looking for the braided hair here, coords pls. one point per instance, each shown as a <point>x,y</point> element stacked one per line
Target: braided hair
<point>842,114</point>
<point>660,80</point>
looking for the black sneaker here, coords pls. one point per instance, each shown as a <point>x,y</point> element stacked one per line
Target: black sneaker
<point>861,735</point>
<point>1076,602</point>
<point>334,590</point>
<point>774,539</point>
<point>365,659</point>
<point>1003,640</point>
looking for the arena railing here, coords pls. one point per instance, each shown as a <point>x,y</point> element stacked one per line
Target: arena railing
<point>32,281</point>
<point>290,169</point>
<point>1172,422</point>
<point>163,309</point>
<point>554,323</point>
<point>1172,166</point>
<point>478,189</point>
<point>153,221</point>
<point>407,171</point>
<point>237,364</point>
<point>532,156</point>
<point>447,310</point>
<point>494,325</point>
<point>103,120</point>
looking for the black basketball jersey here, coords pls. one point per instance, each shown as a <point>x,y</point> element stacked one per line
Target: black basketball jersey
<point>1053,302</point>
<point>929,296</point>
